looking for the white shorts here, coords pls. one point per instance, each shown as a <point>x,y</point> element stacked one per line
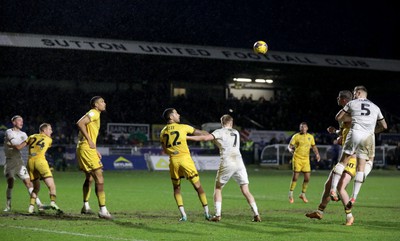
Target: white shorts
<point>239,174</point>
<point>360,143</point>
<point>19,171</point>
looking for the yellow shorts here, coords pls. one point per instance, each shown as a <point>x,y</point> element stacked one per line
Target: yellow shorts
<point>301,165</point>
<point>351,166</point>
<point>38,169</point>
<point>183,167</point>
<point>88,159</point>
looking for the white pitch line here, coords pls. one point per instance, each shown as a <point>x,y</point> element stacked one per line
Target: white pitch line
<point>67,233</point>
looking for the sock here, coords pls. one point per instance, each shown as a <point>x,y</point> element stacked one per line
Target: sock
<point>205,209</point>
<point>103,209</point>
<point>321,209</point>
<point>358,181</point>
<point>218,206</point>
<point>254,208</point>
<point>337,173</point>
<point>182,210</point>
<point>86,205</point>
<point>292,186</point>
<point>304,188</point>
<point>203,198</point>
<point>53,197</point>
<point>290,193</point>
<point>178,199</point>
<point>33,200</point>
<point>101,195</point>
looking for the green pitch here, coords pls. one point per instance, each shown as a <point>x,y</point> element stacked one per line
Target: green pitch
<point>144,209</point>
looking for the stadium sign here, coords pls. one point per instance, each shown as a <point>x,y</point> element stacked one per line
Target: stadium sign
<point>129,130</point>
<point>194,51</point>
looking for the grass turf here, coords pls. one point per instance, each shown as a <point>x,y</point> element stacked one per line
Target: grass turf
<point>143,206</point>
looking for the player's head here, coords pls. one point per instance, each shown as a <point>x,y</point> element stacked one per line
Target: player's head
<point>97,102</point>
<point>17,121</point>
<point>344,97</point>
<point>226,120</point>
<point>170,115</point>
<point>303,127</point>
<point>360,92</point>
<point>46,129</point>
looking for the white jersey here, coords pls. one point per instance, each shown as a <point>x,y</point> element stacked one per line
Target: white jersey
<point>13,156</point>
<point>228,142</point>
<point>364,114</point>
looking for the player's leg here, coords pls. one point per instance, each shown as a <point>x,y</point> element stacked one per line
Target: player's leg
<point>202,196</point>
<point>10,186</point>
<point>306,180</point>
<point>359,179</point>
<point>292,186</point>
<point>100,193</point>
<point>337,173</point>
<point>251,201</point>
<point>342,185</point>
<point>325,199</point>
<point>86,190</point>
<point>217,201</point>
<point>34,195</point>
<point>26,179</point>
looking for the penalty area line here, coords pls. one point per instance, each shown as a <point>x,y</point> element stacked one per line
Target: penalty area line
<point>67,233</point>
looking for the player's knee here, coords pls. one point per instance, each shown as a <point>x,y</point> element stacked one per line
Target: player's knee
<point>339,168</point>
<point>360,177</point>
<point>368,167</point>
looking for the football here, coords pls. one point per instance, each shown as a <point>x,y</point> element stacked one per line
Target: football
<point>260,47</point>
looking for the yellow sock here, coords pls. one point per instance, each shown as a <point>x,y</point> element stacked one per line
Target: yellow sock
<point>305,185</point>
<point>292,186</point>
<point>53,197</point>
<point>102,198</point>
<point>203,199</point>
<point>33,201</point>
<point>178,199</point>
<point>86,194</point>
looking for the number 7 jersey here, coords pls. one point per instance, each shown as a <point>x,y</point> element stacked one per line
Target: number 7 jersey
<point>38,145</point>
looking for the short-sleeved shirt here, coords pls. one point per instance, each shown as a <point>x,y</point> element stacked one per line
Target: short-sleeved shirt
<point>38,145</point>
<point>92,128</point>
<point>302,144</point>
<point>173,138</point>
<point>13,156</point>
<point>364,114</point>
<point>228,142</point>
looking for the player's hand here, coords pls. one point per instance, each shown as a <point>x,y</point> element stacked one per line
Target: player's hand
<point>99,155</point>
<point>340,140</point>
<point>331,129</point>
<point>91,144</point>
<point>318,157</point>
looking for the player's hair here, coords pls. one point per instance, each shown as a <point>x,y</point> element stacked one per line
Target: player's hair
<point>346,94</point>
<point>93,100</point>
<point>43,126</point>
<point>361,87</point>
<point>167,113</point>
<point>225,119</point>
<point>15,117</point>
<point>304,123</point>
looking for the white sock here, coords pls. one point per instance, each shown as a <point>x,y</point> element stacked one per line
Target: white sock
<point>349,215</point>
<point>103,209</point>
<point>218,206</point>
<point>358,181</point>
<point>182,210</point>
<point>337,173</point>
<point>205,209</point>
<point>254,208</point>
<point>290,193</point>
<point>368,168</point>
<point>86,204</point>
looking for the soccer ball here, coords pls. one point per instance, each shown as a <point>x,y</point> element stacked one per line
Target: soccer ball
<point>260,47</point>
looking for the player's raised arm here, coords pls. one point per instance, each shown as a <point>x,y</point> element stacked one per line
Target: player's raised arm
<point>208,137</point>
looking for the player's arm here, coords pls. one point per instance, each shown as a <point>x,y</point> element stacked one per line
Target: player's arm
<point>82,123</point>
<point>342,115</point>
<point>18,147</point>
<point>208,137</point>
<point>380,126</point>
<point>291,148</point>
<point>316,152</point>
